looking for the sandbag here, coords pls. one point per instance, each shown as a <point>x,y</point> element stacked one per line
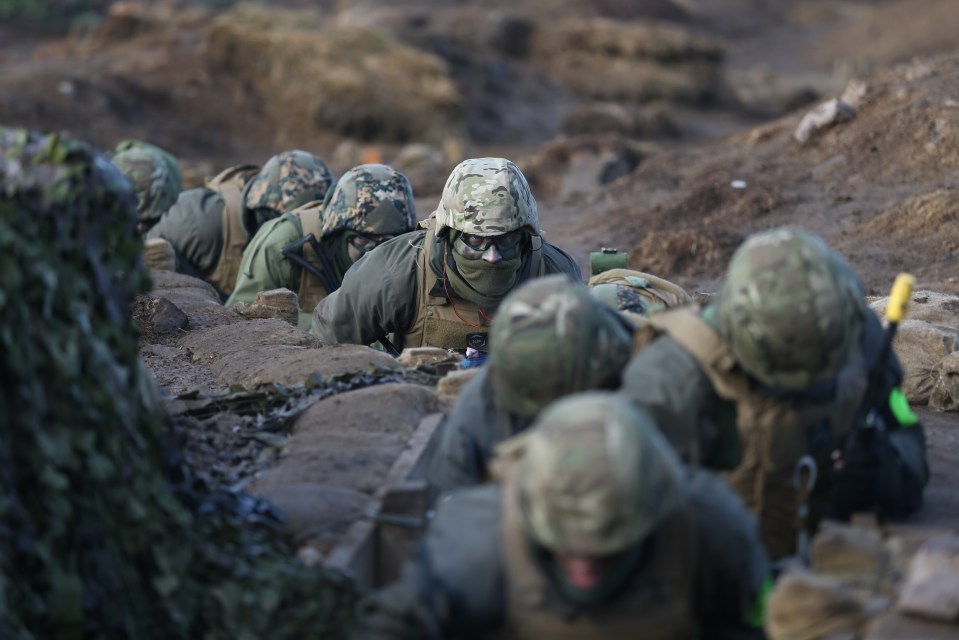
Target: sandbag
<point>928,336</point>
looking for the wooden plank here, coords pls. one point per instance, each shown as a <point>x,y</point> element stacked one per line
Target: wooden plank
<point>360,551</point>
<point>400,525</point>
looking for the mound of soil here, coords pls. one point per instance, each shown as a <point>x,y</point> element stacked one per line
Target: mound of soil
<point>877,187</point>
<point>342,448</point>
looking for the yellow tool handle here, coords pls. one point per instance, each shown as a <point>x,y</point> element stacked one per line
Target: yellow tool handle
<point>899,298</point>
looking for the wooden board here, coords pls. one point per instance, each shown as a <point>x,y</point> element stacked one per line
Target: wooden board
<point>375,547</point>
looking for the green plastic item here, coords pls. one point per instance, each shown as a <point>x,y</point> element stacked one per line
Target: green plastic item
<point>606,259</point>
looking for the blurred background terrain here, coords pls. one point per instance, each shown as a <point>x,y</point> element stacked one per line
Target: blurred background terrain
<point>631,118</point>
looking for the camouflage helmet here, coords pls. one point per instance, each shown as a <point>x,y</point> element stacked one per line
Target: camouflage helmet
<point>550,338</point>
<point>173,165</point>
<point>487,197</point>
<point>154,184</point>
<point>288,180</point>
<point>623,298</point>
<point>370,198</point>
<point>596,476</point>
<point>790,309</point>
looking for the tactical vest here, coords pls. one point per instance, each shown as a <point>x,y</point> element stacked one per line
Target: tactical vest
<point>657,605</point>
<point>311,289</point>
<point>230,184</point>
<point>773,434</point>
<point>441,322</point>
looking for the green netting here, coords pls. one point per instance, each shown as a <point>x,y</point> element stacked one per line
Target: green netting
<point>105,532</point>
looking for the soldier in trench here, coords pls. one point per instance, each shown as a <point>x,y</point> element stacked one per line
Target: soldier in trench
<point>596,531</point>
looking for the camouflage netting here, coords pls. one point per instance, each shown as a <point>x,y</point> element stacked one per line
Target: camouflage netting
<point>104,531</point>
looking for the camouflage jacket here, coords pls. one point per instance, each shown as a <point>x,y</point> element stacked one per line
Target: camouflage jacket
<point>194,226</point>
<point>456,585</point>
<point>472,430</point>
<point>264,266</point>
<point>379,292</point>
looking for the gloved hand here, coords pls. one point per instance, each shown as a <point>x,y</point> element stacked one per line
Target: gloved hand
<point>856,470</point>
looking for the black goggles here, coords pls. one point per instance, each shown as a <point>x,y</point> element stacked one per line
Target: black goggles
<point>366,243</point>
<point>504,242</point>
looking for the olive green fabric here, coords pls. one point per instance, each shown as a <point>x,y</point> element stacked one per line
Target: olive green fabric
<point>379,292</point>
<point>471,431</point>
<point>194,227</point>
<point>483,283</point>
<point>264,266</point>
<point>455,586</point>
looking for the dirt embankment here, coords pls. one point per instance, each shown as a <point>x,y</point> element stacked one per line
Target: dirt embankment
<point>879,187</point>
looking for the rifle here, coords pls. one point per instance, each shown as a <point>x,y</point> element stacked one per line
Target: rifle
<point>294,253</point>
<point>871,473</point>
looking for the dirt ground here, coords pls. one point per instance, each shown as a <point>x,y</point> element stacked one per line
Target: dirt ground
<point>681,149</point>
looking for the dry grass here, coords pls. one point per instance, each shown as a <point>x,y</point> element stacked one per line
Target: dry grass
<point>640,62</point>
<point>351,81</point>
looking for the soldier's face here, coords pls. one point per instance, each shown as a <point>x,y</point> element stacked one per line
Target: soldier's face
<point>585,572</point>
<point>358,244</point>
<point>492,249</point>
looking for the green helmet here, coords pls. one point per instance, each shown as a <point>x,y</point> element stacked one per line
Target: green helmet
<point>173,165</point>
<point>487,197</point>
<point>596,476</point>
<point>288,180</point>
<point>371,198</point>
<point>550,338</point>
<point>155,186</point>
<point>791,309</point>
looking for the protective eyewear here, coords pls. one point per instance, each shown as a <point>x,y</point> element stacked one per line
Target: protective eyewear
<point>505,242</point>
<point>364,243</point>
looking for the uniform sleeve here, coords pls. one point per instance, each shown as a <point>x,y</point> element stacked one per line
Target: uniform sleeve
<point>453,586</point>
<point>558,261</point>
<point>378,295</point>
<point>193,226</point>
<point>468,437</point>
<point>735,576</point>
<point>264,266</point>
<point>665,380</point>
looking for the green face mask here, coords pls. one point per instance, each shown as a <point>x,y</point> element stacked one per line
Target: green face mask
<point>483,283</point>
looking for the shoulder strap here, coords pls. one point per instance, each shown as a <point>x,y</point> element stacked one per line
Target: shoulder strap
<point>687,328</point>
<point>241,174</point>
<point>312,289</point>
<point>235,236</point>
